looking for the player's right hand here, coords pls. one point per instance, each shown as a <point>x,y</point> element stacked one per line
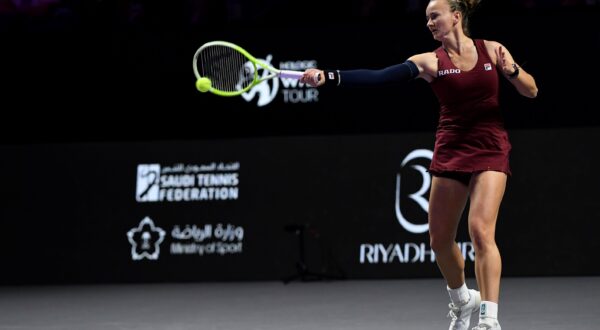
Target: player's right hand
<point>313,77</point>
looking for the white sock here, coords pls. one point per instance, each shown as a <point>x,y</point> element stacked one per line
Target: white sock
<point>459,296</point>
<point>488,310</point>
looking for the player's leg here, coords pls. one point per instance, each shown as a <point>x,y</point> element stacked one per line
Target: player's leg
<point>447,201</point>
<point>487,190</point>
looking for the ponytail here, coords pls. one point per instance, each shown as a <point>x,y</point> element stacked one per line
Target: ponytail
<point>466,8</point>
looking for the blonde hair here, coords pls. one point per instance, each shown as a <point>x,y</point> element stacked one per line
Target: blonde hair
<point>466,8</point>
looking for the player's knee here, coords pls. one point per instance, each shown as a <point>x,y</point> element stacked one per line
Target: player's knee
<point>441,243</point>
<point>482,237</point>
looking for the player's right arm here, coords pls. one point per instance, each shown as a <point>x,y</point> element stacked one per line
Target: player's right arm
<point>427,63</point>
<point>418,66</point>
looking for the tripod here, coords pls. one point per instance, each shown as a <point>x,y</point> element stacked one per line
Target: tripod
<point>303,274</point>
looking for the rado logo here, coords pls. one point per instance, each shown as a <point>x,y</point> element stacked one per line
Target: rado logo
<point>447,72</point>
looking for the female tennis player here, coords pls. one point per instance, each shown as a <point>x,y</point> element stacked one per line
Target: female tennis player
<point>471,152</point>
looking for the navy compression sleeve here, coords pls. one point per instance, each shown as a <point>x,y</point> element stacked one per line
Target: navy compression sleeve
<point>363,78</point>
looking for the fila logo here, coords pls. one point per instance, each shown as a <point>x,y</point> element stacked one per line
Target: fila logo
<point>331,75</point>
<point>487,67</point>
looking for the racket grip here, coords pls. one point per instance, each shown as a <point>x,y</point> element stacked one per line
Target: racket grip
<point>291,74</point>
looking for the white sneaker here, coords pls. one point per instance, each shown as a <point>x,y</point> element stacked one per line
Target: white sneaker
<point>488,325</point>
<point>461,315</point>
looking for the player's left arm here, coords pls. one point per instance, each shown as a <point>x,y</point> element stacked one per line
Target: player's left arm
<point>521,79</point>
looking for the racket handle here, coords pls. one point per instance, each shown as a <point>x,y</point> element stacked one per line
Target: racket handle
<point>291,74</point>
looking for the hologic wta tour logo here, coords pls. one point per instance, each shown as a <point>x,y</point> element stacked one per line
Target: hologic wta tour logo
<point>184,183</point>
<point>145,240</point>
<point>292,91</point>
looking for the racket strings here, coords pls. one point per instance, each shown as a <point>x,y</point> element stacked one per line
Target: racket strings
<point>228,70</point>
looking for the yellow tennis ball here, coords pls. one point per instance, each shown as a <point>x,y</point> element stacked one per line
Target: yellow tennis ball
<point>203,84</point>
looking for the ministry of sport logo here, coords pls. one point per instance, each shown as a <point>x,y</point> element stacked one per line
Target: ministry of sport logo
<point>292,90</point>
<point>145,240</point>
<point>219,239</point>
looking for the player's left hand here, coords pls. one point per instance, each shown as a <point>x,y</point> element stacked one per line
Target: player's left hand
<point>506,66</point>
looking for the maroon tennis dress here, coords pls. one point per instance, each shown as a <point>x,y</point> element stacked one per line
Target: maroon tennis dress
<point>470,135</point>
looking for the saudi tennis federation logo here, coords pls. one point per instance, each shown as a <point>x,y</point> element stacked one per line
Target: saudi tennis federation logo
<point>145,240</point>
<point>418,196</point>
<point>147,187</point>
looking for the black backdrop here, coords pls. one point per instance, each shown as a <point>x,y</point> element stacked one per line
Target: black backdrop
<point>90,94</point>
<point>98,73</point>
<point>67,208</point>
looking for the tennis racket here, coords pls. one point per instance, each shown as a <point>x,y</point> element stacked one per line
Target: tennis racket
<point>226,69</point>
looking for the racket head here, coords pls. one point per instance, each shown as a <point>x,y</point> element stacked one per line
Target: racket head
<point>230,68</point>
